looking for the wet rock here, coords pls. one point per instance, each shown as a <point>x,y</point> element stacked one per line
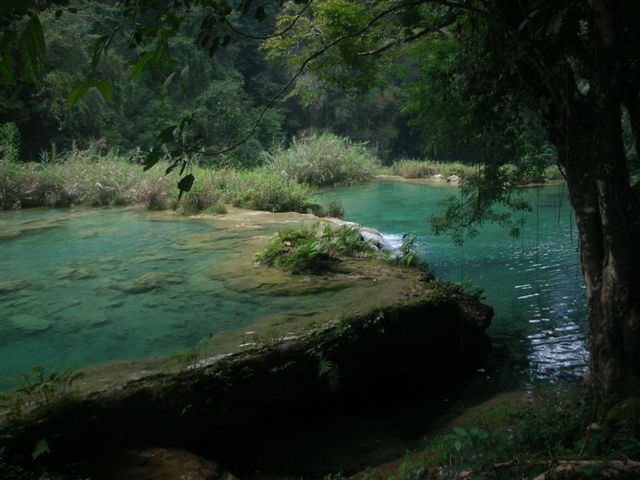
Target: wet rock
<point>30,323</point>
<point>453,179</point>
<point>151,281</point>
<point>96,319</point>
<point>437,176</point>
<point>13,286</point>
<point>73,273</point>
<point>163,464</point>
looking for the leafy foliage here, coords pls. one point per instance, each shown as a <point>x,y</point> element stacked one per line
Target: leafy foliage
<point>324,159</point>
<point>42,388</point>
<point>309,250</point>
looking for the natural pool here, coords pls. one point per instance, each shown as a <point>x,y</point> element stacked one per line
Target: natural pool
<point>84,286</point>
<point>534,282</point>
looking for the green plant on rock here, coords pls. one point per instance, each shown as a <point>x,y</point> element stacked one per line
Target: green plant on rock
<point>42,388</point>
<point>334,209</point>
<point>310,250</point>
<point>407,253</point>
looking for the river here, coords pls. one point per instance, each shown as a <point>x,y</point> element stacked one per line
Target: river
<point>534,281</point>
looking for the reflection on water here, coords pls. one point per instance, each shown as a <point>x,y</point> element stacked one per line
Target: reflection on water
<point>534,281</point>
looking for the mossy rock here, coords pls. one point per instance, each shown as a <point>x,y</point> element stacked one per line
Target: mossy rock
<point>151,281</point>
<point>625,411</point>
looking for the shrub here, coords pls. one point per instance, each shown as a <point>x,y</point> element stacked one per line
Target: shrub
<point>9,142</point>
<point>88,178</point>
<point>205,196</point>
<point>263,189</point>
<point>553,173</point>
<point>309,250</point>
<point>82,179</point>
<point>324,159</point>
<point>334,209</point>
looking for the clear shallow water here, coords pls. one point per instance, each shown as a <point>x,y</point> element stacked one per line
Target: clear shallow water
<point>72,297</point>
<point>81,287</point>
<point>534,282</point>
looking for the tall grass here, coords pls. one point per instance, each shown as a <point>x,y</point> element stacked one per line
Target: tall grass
<point>88,178</point>
<point>324,159</point>
<point>428,168</point>
<point>81,180</point>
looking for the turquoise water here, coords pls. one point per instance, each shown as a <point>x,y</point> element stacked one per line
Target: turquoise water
<point>80,287</point>
<point>86,286</point>
<point>534,282</point>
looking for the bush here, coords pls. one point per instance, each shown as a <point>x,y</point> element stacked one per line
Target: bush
<point>334,209</point>
<point>309,250</point>
<point>82,179</point>
<point>325,159</point>
<point>263,189</point>
<point>89,178</point>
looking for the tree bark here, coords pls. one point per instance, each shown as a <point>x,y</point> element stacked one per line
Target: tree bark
<point>588,135</point>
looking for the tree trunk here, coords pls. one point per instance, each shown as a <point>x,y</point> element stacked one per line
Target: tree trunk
<point>588,135</point>
<point>608,223</point>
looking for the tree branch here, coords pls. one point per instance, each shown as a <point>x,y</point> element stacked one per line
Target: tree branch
<point>237,31</point>
<point>304,65</point>
<point>402,41</point>
<point>331,44</point>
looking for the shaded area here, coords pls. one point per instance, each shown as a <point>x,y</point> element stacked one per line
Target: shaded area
<point>534,282</point>
<point>256,410</point>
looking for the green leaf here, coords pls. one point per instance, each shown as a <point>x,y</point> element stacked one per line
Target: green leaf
<point>78,92</point>
<point>141,64</point>
<point>105,88</point>
<point>40,449</point>
<point>151,159</point>
<point>31,48</point>
<point>185,184</point>
<point>100,45</point>
<point>166,134</point>
<point>260,14</point>
<point>166,84</point>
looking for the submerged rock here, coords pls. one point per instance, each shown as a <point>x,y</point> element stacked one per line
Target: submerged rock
<point>13,286</point>
<point>73,273</point>
<point>30,323</point>
<point>453,179</point>
<point>151,281</point>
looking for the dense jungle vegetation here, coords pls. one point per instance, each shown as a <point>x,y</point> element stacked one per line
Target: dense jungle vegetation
<point>258,104</point>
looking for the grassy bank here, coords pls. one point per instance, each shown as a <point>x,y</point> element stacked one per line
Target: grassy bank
<point>283,183</point>
<point>413,169</point>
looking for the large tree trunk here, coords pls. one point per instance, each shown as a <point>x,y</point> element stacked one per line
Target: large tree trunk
<point>588,134</point>
<point>608,223</point>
